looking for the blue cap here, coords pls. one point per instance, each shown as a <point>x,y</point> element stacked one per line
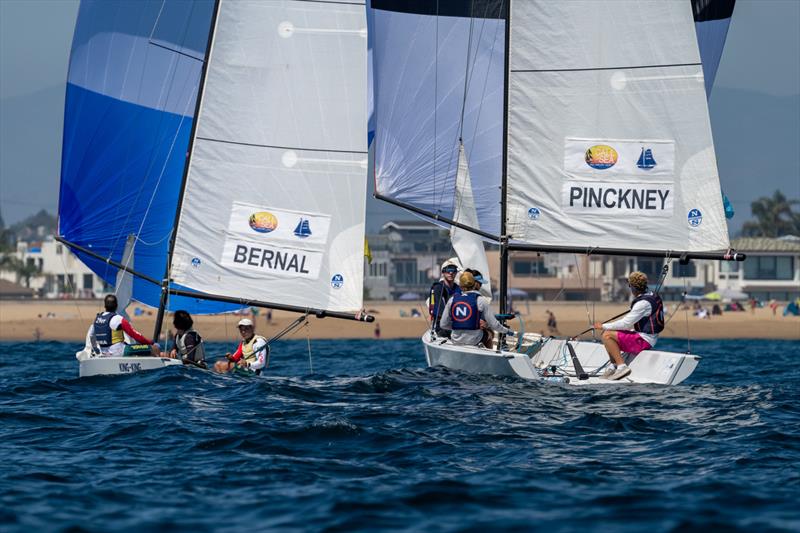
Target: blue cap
<point>479,279</point>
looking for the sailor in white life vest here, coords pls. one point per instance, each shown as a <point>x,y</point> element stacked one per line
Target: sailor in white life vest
<point>464,312</point>
<point>250,355</point>
<point>110,332</point>
<point>636,331</point>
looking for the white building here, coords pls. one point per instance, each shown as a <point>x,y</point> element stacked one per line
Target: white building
<point>771,270</point>
<point>60,273</point>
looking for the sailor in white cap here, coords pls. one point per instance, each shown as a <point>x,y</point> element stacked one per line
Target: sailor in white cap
<point>250,355</point>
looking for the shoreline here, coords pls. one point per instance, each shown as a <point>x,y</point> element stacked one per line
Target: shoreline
<point>69,319</point>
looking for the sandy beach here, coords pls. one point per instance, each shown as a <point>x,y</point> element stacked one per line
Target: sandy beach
<point>66,320</point>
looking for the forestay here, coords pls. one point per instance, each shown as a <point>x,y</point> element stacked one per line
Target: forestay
<point>274,202</point>
<point>130,99</point>
<point>609,141</point>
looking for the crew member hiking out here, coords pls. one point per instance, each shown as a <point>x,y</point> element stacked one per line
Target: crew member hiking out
<point>111,333</point>
<point>441,292</point>
<point>636,331</point>
<point>251,354</point>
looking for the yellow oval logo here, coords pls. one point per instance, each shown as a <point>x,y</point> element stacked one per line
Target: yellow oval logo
<point>263,222</point>
<point>601,156</point>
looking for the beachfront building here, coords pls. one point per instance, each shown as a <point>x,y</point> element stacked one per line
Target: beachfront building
<point>771,271</point>
<point>406,259</point>
<point>57,271</point>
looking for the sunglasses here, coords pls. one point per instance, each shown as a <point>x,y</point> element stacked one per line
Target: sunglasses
<point>450,270</point>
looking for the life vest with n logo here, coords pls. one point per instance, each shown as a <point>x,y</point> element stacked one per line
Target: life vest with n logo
<point>248,354</point>
<point>464,311</point>
<point>103,333</point>
<point>654,323</point>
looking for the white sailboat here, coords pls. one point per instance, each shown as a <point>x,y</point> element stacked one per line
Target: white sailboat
<point>552,105</point>
<point>228,138</point>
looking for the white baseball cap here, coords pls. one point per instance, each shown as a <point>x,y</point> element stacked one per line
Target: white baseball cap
<point>245,322</point>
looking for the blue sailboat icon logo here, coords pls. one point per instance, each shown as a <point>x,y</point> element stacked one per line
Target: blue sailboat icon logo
<point>646,160</point>
<point>302,230</point>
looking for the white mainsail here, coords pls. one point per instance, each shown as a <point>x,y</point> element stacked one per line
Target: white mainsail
<point>609,140</point>
<point>274,203</point>
<point>468,245</point>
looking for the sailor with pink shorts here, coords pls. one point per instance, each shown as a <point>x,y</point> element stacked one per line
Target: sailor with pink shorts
<point>636,331</point>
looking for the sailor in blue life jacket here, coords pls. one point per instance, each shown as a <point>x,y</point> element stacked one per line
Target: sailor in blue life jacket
<point>188,343</point>
<point>441,291</point>
<point>464,312</point>
<point>636,331</point>
<point>110,332</point>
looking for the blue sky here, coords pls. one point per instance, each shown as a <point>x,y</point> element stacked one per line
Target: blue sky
<point>755,107</point>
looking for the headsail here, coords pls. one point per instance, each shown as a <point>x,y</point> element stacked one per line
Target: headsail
<point>592,87</point>
<point>711,21</point>
<point>130,100</point>
<point>468,245</point>
<point>274,203</point>
<point>437,76</point>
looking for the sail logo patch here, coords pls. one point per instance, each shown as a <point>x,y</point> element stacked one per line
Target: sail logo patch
<point>646,160</point>
<point>461,312</point>
<point>263,222</point>
<point>195,262</point>
<point>534,213</point>
<point>610,198</point>
<point>601,157</point>
<point>337,281</point>
<point>622,159</point>
<point>303,228</point>
<point>695,217</point>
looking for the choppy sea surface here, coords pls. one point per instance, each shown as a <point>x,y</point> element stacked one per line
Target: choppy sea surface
<point>374,440</point>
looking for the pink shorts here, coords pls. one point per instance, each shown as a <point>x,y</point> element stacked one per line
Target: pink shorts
<point>632,342</point>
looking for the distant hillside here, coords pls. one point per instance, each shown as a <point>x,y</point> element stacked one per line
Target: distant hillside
<point>756,137</point>
<point>34,227</point>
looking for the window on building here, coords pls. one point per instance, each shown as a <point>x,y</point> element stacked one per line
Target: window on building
<point>529,268</point>
<point>651,267</point>
<point>728,267</point>
<point>88,281</point>
<point>60,283</point>
<point>769,267</point>
<point>688,270</point>
<point>405,272</point>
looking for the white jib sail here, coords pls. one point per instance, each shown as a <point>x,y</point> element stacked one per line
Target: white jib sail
<point>468,246</point>
<point>123,287</point>
<point>274,203</point>
<point>609,140</point>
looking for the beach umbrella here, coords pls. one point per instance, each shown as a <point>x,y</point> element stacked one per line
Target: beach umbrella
<point>517,293</point>
<point>408,296</point>
<point>712,296</point>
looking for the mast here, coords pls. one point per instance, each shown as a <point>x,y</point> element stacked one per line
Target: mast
<point>504,178</point>
<point>165,281</point>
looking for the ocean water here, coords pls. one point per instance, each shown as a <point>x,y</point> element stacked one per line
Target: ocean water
<point>374,440</point>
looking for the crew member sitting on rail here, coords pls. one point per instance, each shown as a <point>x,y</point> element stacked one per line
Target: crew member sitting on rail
<point>636,331</point>
<point>250,355</point>
<point>441,291</point>
<point>464,312</point>
<point>110,332</point>
<point>188,343</point>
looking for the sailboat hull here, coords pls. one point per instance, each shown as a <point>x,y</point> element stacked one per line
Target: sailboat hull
<point>105,366</point>
<point>651,366</point>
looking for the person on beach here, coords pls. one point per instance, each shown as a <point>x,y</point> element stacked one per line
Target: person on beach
<point>463,314</point>
<point>636,331</point>
<point>441,291</point>
<point>188,343</point>
<point>110,332</point>
<point>552,324</point>
<point>251,355</point>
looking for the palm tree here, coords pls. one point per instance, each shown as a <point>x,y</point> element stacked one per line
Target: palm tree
<point>774,217</point>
